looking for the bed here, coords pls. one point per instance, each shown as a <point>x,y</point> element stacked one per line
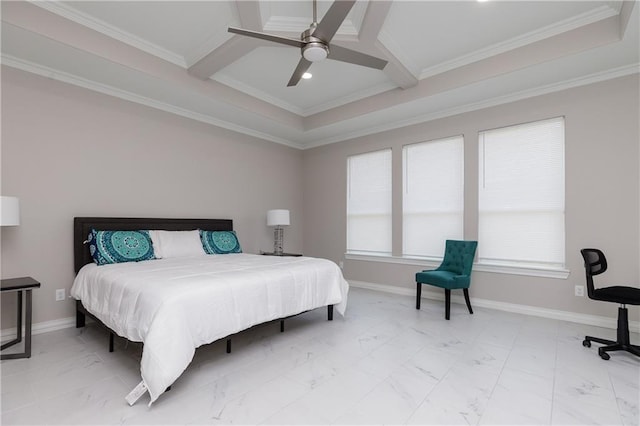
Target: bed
<point>175,305</point>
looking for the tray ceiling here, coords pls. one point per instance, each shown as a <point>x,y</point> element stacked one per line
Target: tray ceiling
<point>444,58</point>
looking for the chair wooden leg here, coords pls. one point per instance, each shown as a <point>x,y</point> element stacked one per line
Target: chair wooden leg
<point>418,294</point>
<point>447,302</point>
<point>466,299</point>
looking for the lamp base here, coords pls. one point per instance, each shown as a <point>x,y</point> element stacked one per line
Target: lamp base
<point>278,241</point>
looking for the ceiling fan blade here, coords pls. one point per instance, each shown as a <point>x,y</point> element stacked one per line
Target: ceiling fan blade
<point>332,20</point>
<point>302,67</point>
<point>263,36</point>
<point>343,54</point>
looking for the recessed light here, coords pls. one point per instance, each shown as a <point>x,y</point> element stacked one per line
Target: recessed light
<point>307,75</point>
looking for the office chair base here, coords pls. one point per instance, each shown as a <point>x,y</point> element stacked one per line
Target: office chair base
<point>622,344</point>
<point>611,346</point>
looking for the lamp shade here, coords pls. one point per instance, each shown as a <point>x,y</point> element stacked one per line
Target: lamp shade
<point>278,217</point>
<point>9,211</point>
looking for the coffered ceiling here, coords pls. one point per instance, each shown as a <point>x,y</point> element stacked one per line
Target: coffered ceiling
<point>444,57</point>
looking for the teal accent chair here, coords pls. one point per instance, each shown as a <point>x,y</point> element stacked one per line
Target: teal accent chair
<point>453,273</point>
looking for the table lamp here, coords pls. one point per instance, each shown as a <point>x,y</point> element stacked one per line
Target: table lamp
<point>278,218</point>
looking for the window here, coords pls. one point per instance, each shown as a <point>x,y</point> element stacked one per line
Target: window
<point>433,196</point>
<point>521,195</point>
<point>369,203</point>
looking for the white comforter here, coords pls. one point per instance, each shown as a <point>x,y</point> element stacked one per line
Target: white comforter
<point>176,305</point>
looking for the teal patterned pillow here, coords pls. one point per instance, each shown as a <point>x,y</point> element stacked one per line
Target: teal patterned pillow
<point>220,242</point>
<point>119,246</point>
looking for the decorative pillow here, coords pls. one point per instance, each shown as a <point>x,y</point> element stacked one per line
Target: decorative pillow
<point>119,246</point>
<point>220,242</point>
<point>168,244</point>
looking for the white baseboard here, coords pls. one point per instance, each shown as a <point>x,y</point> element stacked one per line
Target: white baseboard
<point>634,326</point>
<point>40,327</point>
<point>599,321</point>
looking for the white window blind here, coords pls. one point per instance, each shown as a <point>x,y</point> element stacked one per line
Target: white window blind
<point>433,196</point>
<point>369,203</point>
<point>521,195</point>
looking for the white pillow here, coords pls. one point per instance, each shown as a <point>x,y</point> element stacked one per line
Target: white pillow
<point>168,244</point>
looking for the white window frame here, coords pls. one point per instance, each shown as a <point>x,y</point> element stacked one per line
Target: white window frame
<point>378,208</point>
<point>555,268</point>
<point>423,198</point>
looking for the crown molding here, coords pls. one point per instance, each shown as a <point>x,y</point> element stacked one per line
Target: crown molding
<point>500,100</point>
<point>362,94</point>
<point>615,5</point>
<point>72,14</point>
<point>75,80</point>
<point>132,97</point>
<point>252,91</point>
<point>303,112</point>
<point>586,18</point>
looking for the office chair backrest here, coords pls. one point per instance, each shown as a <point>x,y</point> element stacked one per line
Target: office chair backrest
<point>595,263</point>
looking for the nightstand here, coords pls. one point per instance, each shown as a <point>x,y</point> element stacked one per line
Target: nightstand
<point>270,253</point>
<point>19,285</point>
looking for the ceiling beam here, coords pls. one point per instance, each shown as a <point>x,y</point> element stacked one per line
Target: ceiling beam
<point>373,20</point>
<point>235,47</point>
<point>249,14</point>
<point>625,14</point>
<point>372,23</point>
<point>396,70</point>
<point>225,54</point>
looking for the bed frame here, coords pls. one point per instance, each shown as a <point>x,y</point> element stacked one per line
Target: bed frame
<point>83,225</point>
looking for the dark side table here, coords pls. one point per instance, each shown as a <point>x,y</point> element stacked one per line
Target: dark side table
<point>20,285</point>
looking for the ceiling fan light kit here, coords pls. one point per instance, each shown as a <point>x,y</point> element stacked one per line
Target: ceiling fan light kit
<point>315,51</point>
<point>315,41</point>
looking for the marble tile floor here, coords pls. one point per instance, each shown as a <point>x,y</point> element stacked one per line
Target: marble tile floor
<point>384,363</point>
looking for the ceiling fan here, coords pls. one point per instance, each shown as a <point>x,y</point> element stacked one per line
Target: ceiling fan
<point>315,42</point>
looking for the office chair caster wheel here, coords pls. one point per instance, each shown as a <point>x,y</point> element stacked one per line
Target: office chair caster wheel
<point>603,354</point>
<point>586,343</point>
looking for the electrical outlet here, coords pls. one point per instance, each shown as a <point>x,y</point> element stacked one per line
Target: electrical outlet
<point>341,264</point>
<point>579,290</point>
<point>59,294</point>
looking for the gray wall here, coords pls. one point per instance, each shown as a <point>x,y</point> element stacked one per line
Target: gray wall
<point>71,152</point>
<point>68,152</point>
<point>602,193</point>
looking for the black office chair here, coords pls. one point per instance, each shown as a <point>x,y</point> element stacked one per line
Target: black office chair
<point>595,263</point>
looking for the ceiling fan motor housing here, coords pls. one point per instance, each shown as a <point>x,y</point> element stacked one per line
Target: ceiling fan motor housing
<point>314,49</point>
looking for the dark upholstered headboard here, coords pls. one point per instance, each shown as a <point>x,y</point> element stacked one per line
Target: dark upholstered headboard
<point>83,225</point>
